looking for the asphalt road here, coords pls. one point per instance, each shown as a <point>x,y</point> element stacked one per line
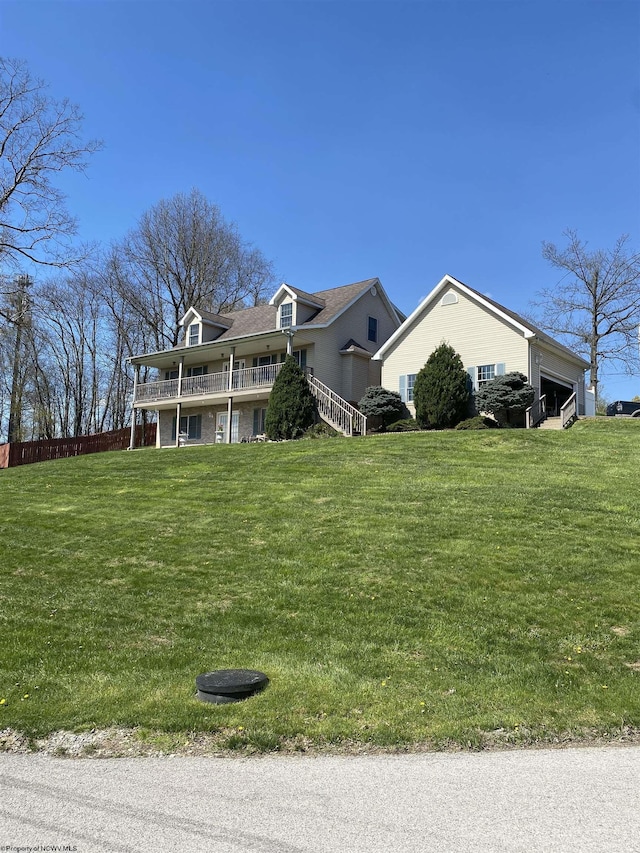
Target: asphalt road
<point>561,800</point>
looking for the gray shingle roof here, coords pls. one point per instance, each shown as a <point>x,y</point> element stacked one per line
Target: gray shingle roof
<point>263,318</point>
<point>216,319</point>
<point>311,297</point>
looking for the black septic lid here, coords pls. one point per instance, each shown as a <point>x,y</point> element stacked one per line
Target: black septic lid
<point>230,685</point>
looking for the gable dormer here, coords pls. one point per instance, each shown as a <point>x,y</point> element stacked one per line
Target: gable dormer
<point>203,326</point>
<point>294,306</point>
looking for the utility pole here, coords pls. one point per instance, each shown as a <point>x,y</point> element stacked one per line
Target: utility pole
<point>20,319</point>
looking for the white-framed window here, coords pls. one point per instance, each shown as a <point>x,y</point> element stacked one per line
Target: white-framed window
<point>263,360</point>
<point>286,315</point>
<point>194,334</point>
<point>259,416</point>
<point>372,330</point>
<point>486,372</point>
<point>200,370</point>
<point>189,424</point>
<point>171,374</point>
<point>221,425</point>
<point>411,378</point>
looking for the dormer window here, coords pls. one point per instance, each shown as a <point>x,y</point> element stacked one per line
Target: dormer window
<point>286,315</point>
<point>194,334</point>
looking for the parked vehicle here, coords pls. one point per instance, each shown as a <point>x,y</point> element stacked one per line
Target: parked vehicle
<point>624,408</point>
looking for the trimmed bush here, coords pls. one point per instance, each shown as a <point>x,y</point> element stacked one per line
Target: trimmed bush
<point>404,425</point>
<point>478,422</point>
<point>386,406</point>
<point>292,409</point>
<point>321,430</point>
<point>506,398</point>
<point>441,390</point>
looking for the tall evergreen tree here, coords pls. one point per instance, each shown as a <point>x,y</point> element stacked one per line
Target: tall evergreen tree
<point>291,409</point>
<point>441,390</point>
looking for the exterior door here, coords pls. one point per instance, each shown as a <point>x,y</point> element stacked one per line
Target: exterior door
<point>235,425</point>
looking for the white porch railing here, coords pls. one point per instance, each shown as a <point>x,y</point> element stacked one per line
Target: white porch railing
<point>340,414</point>
<point>337,412</point>
<point>569,412</point>
<point>536,413</point>
<point>245,379</point>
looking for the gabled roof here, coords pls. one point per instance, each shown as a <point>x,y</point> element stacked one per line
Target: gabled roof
<point>528,329</point>
<point>311,299</point>
<point>352,346</point>
<point>193,314</point>
<point>332,303</point>
<point>339,299</point>
<point>262,319</point>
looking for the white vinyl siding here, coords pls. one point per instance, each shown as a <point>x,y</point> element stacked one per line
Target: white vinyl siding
<point>479,337</point>
<point>353,324</point>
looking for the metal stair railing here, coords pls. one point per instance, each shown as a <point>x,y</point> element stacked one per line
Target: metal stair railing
<point>341,415</point>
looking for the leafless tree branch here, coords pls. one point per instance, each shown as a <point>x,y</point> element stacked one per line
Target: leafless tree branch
<point>39,138</point>
<point>595,307</point>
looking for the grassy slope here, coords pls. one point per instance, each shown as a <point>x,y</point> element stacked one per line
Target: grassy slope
<point>397,589</point>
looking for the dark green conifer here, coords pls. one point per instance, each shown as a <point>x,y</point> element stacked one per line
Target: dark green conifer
<point>291,409</point>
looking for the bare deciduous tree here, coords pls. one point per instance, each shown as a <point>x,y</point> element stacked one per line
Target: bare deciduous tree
<point>182,253</point>
<point>595,307</point>
<point>39,138</point>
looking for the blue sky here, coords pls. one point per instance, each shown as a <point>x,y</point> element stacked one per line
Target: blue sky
<point>354,138</point>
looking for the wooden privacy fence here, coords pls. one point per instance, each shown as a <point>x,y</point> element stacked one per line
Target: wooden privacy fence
<point>26,452</point>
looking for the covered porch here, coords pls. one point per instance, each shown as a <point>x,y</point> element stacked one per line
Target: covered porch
<point>213,374</point>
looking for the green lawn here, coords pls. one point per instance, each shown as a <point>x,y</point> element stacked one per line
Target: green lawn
<point>424,588</point>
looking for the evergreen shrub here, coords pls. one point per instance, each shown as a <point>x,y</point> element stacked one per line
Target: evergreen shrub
<point>506,398</point>
<point>292,408</point>
<point>385,406</point>
<point>441,390</point>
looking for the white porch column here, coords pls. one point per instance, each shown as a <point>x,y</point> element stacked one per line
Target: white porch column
<point>227,438</point>
<point>231,358</point>
<point>289,333</point>
<point>136,379</point>
<point>180,372</point>
<point>178,415</point>
<point>179,404</point>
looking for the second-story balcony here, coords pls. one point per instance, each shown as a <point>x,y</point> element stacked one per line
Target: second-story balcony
<point>247,380</point>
